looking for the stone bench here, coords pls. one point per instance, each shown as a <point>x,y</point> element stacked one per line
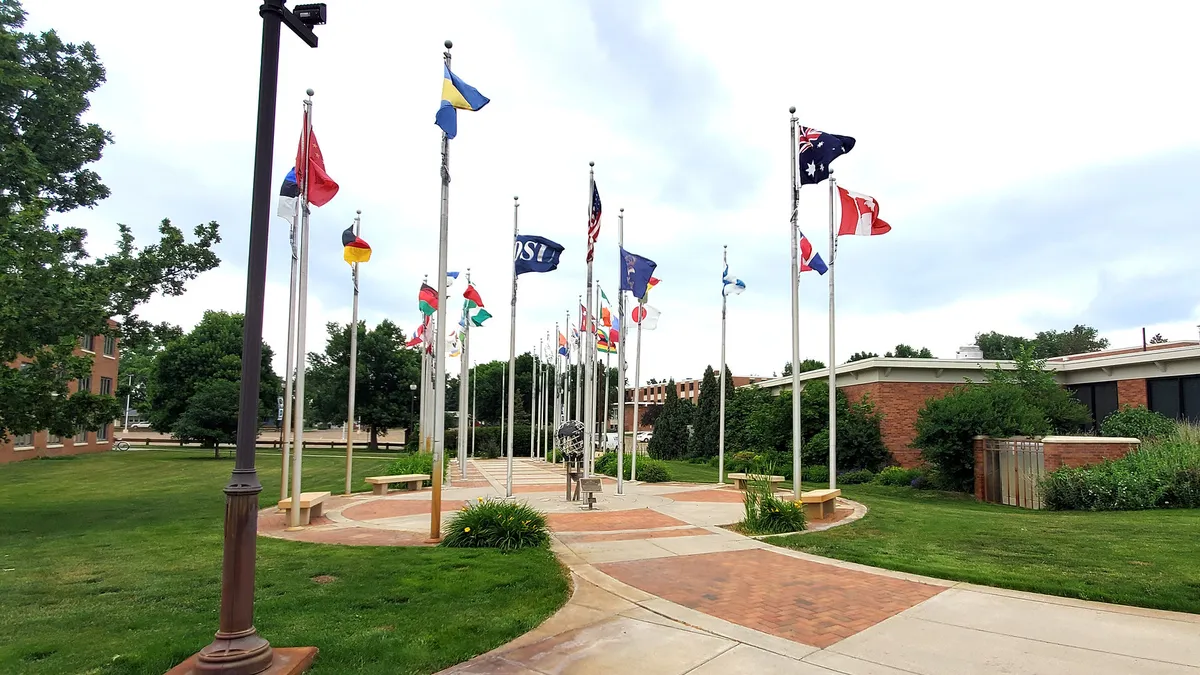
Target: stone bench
<point>741,479</point>
<point>310,505</point>
<point>379,484</point>
<point>819,504</point>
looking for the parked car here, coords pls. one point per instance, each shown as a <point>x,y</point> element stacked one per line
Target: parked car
<point>140,425</point>
<point>644,436</point>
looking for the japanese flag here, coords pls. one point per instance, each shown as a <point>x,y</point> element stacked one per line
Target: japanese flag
<point>860,214</point>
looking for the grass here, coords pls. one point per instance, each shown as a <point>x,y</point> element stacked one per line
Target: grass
<point>111,565</point>
<point>1143,558</point>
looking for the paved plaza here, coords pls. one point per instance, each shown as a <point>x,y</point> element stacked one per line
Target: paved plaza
<point>662,587</point>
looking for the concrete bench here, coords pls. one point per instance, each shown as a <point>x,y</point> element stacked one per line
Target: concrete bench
<point>310,505</point>
<point>741,479</point>
<point>819,504</point>
<point>379,484</point>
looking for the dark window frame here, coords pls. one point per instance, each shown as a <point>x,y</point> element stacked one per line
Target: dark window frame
<point>1182,404</point>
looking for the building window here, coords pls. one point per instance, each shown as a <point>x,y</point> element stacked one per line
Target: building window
<point>23,441</point>
<point>1100,399</point>
<point>1176,397</point>
<point>85,384</point>
<point>106,386</point>
<point>110,345</point>
<point>102,434</point>
<point>81,437</point>
<point>52,439</point>
<point>86,343</point>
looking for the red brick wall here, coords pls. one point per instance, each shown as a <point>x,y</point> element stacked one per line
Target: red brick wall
<point>1131,392</point>
<point>899,402</point>
<point>1076,454</point>
<point>102,366</point>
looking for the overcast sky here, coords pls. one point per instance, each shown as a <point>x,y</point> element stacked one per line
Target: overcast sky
<point>1039,162</point>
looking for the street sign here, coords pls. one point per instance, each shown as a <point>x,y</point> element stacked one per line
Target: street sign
<point>279,412</point>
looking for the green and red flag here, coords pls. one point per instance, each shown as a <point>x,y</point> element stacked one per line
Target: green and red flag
<point>427,300</point>
<point>472,296</point>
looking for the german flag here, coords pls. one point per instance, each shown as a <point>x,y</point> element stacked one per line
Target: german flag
<point>355,249</point>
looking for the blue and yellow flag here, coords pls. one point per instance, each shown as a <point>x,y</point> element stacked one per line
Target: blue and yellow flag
<point>456,95</point>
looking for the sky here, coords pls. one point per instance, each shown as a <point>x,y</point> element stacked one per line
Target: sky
<point>1038,162</point>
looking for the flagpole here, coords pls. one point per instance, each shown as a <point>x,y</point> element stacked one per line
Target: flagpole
<point>464,388</point>
<point>637,382</point>
<point>353,364</point>
<point>621,366</point>
<point>474,406</point>
<point>593,326</point>
<point>439,347</point>
<point>512,357</point>
<point>503,409</point>
<point>721,428</point>
<point>301,319</point>
<point>832,359</point>
<point>579,367</point>
<point>291,359</point>
<point>547,402</point>
<point>558,399</point>
<point>795,284</point>
<point>589,412</point>
<point>604,426</point>
<point>533,402</point>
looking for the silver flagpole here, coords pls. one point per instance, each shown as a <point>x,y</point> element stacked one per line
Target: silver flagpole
<point>589,350</point>
<point>547,402</point>
<point>474,405</point>
<point>594,380</point>
<point>422,418</point>
<point>637,383</point>
<point>512,357</point>
<point>291,358</point>
<point>607,415</point>
<point>832,359</point>
<point>721,432</point>
<point>567,372</point>
<point>621,319</point>
<point>439,347</point>
<point>579,367</point>
<point>352,385</point>
<point>464,388</point>
<point>795,283</point>
<point>301,318</point>
<point>503,410</point>
<point>558,400</point>
<point>533,402</point>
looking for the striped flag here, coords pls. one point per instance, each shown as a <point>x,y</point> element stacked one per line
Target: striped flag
<point>593,222</point>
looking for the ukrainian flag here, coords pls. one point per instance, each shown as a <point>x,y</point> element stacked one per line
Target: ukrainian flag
<point>456,95</point>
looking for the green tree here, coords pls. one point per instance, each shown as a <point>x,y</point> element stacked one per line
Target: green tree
<point>707,419</point>
<point>187,368</point>
<point>137,363</point>
<point>859,356</point>
<point>53,291</point>
<point>904,351</point>
<point>1158,339</point>
<point>805,366</point>
<point>1046,344</point>
<point>670,439</point>
<point>383,372</point>
<point>211,415</point>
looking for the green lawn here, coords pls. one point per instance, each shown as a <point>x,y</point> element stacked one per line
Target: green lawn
<point>1144,558</point>
<point>111,564</point>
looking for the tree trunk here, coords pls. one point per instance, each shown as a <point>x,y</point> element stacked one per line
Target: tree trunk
<point>374,438</point>
<point>216,451</point>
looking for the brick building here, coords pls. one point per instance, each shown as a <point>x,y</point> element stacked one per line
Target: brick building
<point>1165,378</point>
<point>653,395</point>
<point>103,380</point>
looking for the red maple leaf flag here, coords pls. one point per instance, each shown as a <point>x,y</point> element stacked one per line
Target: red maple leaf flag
<point>860,214</point>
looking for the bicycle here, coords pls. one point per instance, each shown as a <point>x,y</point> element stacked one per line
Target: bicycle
<point>121,446</point>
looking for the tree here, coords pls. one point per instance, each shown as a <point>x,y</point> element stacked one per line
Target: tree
<point>904,351</point>
<point>1047,344</point>
<point>859,356</point>
<point>707,419</point>
<point>1158,339</point>
<point>185,373</point>
<point>650,415</point>
<point>670,439</point>
<point>805,366</point>
<point>383,372</point>
<point>137,363</point>
<point>53,290</point>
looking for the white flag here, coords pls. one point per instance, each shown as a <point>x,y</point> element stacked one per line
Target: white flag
<point>647,316</point>
<point>731,285</point>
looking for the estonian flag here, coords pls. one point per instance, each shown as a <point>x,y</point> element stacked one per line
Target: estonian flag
<point>456,95</point>
<point>289,193</point>
<point>355,249</point>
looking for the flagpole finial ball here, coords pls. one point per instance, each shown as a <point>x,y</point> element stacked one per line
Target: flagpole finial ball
<point>358,211</point>
<point>448,44</point>
<point>622,209</point>
<point>310,92</point>
<point>792,110</point>
<point>515,198</point>
<point>591,164</point>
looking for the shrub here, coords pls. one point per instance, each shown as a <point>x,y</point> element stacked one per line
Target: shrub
<point>897,477</point>
<point>741,461</point>
<point>856,477</point>
<point>814,473</point>
<point>1161,474</point>
<point>815,450</point>
<point>494,523</point>
<point>768,514</point>
<point>1137,422</point>
<point>649,470</point>
<point>420,462</point>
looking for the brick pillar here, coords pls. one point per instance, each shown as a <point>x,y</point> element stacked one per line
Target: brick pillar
<point>1132,392</point>
<point>980,476</point>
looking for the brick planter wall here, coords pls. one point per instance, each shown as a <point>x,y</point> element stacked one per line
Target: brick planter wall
<point>1077,451</point>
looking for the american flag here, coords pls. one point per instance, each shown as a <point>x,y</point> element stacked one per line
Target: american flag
<point>593,222</point>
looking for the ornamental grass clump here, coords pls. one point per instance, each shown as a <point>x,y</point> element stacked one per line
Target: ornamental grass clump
<point>495,523</point>
<point>766,513</point>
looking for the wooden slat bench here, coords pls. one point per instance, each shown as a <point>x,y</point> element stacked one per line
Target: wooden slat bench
<point>379,484</point>
<point>310,505</point>
<point>819,504</point>
<point>741,479</point>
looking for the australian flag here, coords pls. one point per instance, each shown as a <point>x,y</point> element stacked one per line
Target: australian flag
<point>817,150</point>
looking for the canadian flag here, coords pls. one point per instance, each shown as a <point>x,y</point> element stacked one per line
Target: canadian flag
<point>860,214</point>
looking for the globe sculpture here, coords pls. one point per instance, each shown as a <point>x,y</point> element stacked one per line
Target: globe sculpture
<point>570,440</point>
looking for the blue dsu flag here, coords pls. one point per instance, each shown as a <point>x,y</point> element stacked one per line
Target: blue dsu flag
<point>635,273</point>
<point>535,254</point>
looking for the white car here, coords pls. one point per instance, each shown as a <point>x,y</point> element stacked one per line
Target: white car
<point>140,425</point>
<point>644,436</point>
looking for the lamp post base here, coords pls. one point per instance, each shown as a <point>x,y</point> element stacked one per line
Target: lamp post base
<point>279,661</point>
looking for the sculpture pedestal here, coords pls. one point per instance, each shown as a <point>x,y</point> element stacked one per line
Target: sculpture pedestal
<point>287,661</point>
